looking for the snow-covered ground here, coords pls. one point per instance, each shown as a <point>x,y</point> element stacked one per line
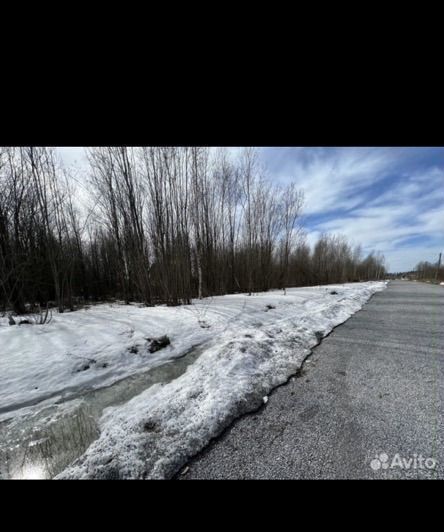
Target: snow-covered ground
<point>93,348</point>
<point>253,344</point>
<point>249,345</point>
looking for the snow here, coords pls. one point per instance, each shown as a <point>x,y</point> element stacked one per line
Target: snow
<point>87,349</point>
<point>250,350</point>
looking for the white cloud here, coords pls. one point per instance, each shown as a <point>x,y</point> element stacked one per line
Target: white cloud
<point>405,259</point>
<point>352,191</point>
<point>73,156</point>
<point>331,177</point>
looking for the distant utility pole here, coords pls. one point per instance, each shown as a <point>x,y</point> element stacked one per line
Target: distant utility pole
<point>439,266</point>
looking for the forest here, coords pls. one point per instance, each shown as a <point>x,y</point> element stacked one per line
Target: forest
<point>157,225</point>
<point>428,271</point>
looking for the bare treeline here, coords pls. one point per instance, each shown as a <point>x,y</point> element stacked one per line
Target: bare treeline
<point>334,260</point>
<point>429,271</point>
<point>156,225</point>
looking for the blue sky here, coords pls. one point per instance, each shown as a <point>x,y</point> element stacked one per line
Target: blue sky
<point>388,199</point>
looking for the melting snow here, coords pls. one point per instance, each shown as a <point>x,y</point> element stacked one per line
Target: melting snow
<point>249,352</point>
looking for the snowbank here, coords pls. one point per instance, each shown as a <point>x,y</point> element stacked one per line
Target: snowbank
<point>87,349</point>
<point>257,343</point>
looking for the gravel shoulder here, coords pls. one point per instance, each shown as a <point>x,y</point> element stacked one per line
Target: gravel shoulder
<point>374,386</point>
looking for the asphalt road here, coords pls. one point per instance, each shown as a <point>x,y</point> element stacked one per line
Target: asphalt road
<point>374,386</point>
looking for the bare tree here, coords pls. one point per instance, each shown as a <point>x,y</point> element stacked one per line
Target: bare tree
<point>164,225</point>
<point>292,201</point>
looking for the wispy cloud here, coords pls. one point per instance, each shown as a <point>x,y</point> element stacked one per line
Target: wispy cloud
<point>389,199</point>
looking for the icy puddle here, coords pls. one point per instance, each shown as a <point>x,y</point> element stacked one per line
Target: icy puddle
<point>247,347</point>
<point>43,442</point>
